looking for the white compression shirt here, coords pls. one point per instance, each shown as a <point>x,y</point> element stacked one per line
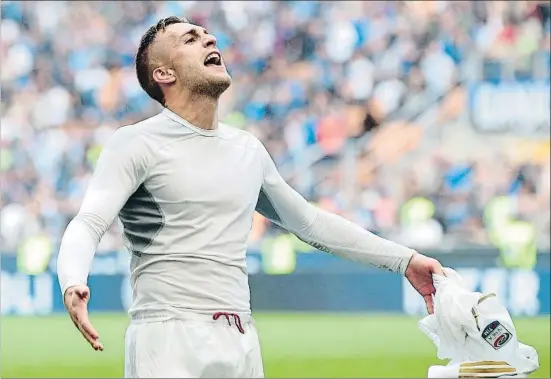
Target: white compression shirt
<point>186,197</point>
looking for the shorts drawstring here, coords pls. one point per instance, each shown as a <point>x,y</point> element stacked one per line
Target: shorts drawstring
<point>236,319</point>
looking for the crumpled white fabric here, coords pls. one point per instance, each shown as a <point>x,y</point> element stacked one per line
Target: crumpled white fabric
<point>458,334</point>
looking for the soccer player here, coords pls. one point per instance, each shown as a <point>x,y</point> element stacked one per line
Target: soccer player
<point>185,187</point>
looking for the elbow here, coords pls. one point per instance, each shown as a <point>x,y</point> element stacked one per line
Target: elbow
<point>308,230</point>
<point>84,227</point>
<point>94,225</point>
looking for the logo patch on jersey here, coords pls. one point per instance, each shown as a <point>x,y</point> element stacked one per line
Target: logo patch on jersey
<point>496,335</point>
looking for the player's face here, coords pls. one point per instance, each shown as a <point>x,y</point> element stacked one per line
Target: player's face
<point>196,60</point>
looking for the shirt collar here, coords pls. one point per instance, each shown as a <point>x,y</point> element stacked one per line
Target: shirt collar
<point>205,132</point>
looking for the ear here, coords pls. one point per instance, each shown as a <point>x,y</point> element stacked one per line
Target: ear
<point>164,75</point>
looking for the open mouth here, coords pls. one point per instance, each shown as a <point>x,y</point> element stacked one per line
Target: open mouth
<point>213,60</point>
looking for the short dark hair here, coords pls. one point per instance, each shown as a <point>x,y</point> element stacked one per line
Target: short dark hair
<point>143,69</point>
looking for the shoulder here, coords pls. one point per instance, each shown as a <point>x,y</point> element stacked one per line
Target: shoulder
<point>139,131</point>
<point>136,140</point>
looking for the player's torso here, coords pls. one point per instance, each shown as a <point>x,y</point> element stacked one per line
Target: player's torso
<point>207,188</point>
<point>187,226</point>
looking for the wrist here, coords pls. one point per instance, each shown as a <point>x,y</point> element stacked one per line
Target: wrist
<point>405,266</point>
<point>70,283</point>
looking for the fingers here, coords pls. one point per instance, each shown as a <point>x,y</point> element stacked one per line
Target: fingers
<point>95,343</point>
<point>87,330</point>
<point>436,268</point>
<point>90,333</point>
<point>92,339</point>
<point>87,327</point>
<point>429,303</point>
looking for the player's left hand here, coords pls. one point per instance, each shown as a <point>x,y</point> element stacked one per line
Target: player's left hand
<point>419,273</point>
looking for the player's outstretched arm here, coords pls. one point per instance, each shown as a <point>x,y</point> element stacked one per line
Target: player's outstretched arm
<point>331,233</point>
<point>119,171</point>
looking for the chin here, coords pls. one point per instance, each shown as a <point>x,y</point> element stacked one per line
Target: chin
<point>222,74</point>
<point>222,82</point>
<point>214,85</point>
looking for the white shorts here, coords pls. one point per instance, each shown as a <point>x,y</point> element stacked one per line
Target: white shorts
<point>193,346</point>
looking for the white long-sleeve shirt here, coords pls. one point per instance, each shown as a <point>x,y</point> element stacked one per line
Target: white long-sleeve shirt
<point>186,198</point>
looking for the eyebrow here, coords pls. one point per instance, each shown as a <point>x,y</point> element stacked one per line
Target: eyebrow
<point>193,32</point>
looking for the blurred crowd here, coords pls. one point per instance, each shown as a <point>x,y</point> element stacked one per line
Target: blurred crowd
<point>307,76</point>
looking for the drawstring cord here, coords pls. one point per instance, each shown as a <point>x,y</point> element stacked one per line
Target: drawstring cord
<point>236,319</point>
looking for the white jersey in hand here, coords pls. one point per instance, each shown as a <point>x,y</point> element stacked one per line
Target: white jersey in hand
<point>475,332</point>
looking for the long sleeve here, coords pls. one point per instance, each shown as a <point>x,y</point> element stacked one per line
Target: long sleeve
<point>119,171</point>
<point>328,232</point>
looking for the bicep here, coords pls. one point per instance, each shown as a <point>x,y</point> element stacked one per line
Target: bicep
<point>117,175</point>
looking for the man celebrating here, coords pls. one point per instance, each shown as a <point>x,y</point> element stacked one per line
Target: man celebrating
<point>185,188</point>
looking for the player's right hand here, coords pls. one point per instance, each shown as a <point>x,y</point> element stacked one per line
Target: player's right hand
<point>76,301</point>
<point>419,273</point>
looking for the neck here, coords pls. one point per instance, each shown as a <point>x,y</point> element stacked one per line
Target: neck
<point>200,111</point>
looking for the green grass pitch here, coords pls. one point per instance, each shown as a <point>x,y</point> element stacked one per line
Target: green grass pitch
<point>294,345</point>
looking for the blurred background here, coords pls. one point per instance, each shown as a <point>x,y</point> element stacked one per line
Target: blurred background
<point>426,122</point>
